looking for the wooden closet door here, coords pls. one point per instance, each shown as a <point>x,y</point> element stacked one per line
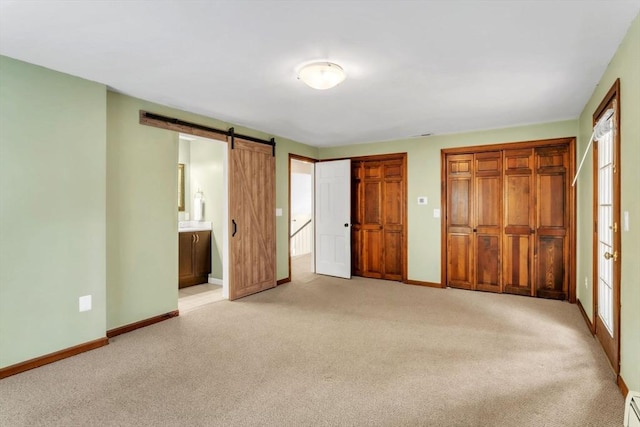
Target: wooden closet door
<point>393,219</point>
<point>552,222</point>
<point>379,217</point>
<point>372,225</point>
<point>356,218</point>
<point>519,210</point>
<point>488,221</point>
<point>460,215</point>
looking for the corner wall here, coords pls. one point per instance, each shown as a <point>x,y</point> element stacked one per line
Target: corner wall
<point>52,210</point>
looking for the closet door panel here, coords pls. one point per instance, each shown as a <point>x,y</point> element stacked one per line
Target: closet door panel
<point>459,256</point>
<point>487,262</point>
<point>551,272</point>
<point>392,255</point>
<point>460,235</point>
<point>552,222</point>
<point>372,233</point>
<point>393,219</point>
<point>356,218</point>
<point>372,261</point>
<point>488,220</point>
<point>519,209</point>
<point>517,264</point>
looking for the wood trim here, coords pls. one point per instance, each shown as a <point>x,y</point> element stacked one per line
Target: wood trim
<point>426,284</point>
<point>622,386</point>
<point>443,218</point>
<point>183,128</point>
<point>375,157</point>
<point>285,280</point>
<point>178,125</point>
<point>573,203</point>
<point>508,145</point>
<point>586,318</point>
<point>141,324</point>
<point>52,357</point>
<point>614,92</point>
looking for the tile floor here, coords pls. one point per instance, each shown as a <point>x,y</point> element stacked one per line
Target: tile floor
<point>193,297</point>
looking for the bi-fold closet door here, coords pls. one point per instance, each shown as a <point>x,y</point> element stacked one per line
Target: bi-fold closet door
<point>507,220</point>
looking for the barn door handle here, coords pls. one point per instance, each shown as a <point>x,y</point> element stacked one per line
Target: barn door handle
<point>235,227</point>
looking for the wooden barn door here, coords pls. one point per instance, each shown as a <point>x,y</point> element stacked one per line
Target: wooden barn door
<point>252,242</point>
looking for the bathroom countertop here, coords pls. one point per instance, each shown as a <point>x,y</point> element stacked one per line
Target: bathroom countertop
<point>184,226</point>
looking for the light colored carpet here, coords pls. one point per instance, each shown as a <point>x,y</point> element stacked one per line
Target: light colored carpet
<point>335,352</point>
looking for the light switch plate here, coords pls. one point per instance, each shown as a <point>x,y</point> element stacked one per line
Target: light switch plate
<point>84,303</point>
<point>625,220</point>
<point>278,211</point>
<point>436,213</point>
<point>422,200</point>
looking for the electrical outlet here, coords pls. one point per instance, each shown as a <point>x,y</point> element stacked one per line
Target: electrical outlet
<point>586,282</point>
<point>84,303</point>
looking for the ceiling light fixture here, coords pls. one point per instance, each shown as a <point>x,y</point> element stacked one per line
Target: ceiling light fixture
<point>322,75</point>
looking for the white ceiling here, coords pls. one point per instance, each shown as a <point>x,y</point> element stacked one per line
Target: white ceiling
<point>413,67</point>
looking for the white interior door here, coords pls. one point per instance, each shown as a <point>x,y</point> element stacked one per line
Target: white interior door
<point>333,218</point>
<point>606,251</point>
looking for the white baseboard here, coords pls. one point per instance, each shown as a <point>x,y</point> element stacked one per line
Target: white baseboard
<point>215,281</point>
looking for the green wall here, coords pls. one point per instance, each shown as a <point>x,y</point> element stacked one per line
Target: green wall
<point>142,219</point>
<point>423,168</point>
<point>626,66</point>
<point>207,174</point>
<point>142,216</point>
<point>52,210</point>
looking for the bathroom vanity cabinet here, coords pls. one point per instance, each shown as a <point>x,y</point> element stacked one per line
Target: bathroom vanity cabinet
<point>194,256</point>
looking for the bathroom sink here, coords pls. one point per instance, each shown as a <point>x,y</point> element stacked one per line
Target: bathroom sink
<point>194,225</point>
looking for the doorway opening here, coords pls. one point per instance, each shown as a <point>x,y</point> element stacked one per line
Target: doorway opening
<point>202,219</point>
<point>301,218</point>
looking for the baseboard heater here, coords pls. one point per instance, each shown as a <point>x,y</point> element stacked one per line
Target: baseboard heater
<point>632,410</point>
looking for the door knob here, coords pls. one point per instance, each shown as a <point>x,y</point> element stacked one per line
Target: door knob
<point>346,225</point>
<point>609,255</point>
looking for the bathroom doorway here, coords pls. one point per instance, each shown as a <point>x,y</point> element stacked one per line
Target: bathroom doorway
<point>301,218</point>
<point>202,215</point>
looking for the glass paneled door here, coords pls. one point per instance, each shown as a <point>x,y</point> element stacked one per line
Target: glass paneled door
<point>606,241</point>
